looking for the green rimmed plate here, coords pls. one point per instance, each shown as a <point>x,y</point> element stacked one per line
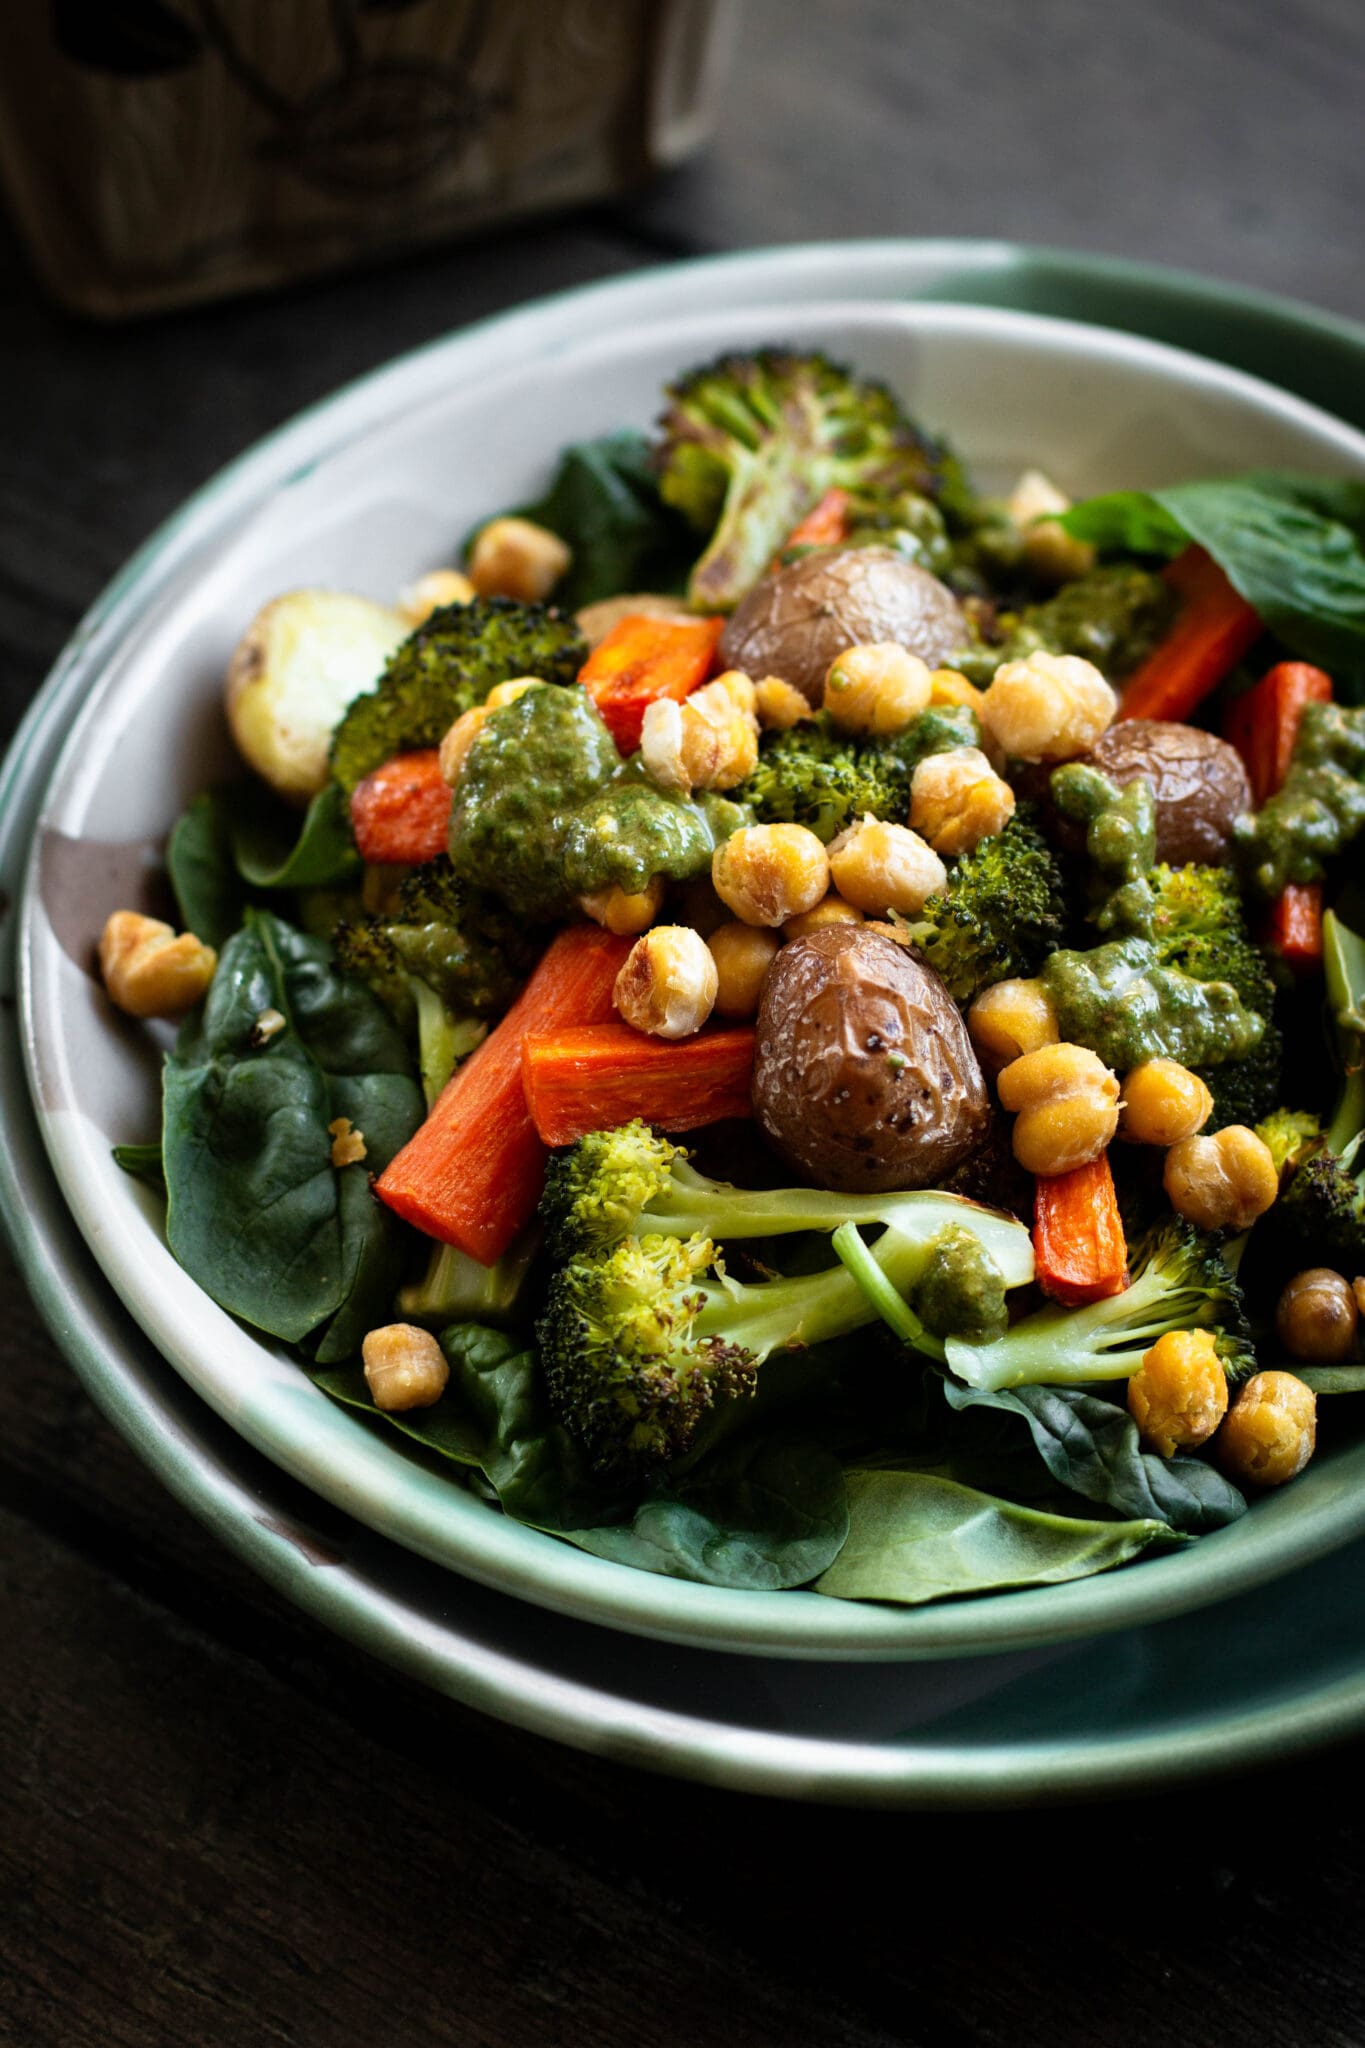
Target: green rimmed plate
<point>182,603</point>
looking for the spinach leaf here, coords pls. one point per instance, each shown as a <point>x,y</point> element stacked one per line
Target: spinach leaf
<point>1091,1446</point>
<point>604,502</point>
<point>273,851</point>
<point>1294,546</point>
<point>209,892</point>
<point>1331,1379</point>
<point>258,1215</point>
<point>914,1537</point>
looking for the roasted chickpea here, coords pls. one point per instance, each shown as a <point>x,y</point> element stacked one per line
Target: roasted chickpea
<point>508,692</point>
<point>1271,1430</point>
<point>765,874</point>
<point>779,705</point>
<point>1221,1183</point>
<point>668,984</point>
<point>709,741</point>
<point>459,738</point>
<point>622,913</point>
<point>151,971</point>
<point>743,953</point>
<point>879,867</point>
<point>439,587</point>
<point>1050,707</point>
<point>404,1367</point>
<point>1179,1394</point>
<point>1066,1107</point>
<point>957,800</point>
<point>1316,1317</point>
<point>1010,1019</point>
<point>950,686</point>
<point>877,689</point>
<point>1035,505</point>
<point>1163,1102</point>
<point>832,909</point>
<point>517,558</point>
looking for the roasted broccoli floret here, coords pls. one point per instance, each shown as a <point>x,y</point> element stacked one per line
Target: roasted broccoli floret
<point>1111,616</point>
<point>1289,1134</point>
<point>750,443</point>
<point>457,940</point>
<point>449,664</point>
<point>817,776</point>
<point>1180,1281</point>
<point>1322,1210</point>
<point>1001,914</point>
<point>642,1332</point>
<point>1198,926</point>
<point>618,1183</point>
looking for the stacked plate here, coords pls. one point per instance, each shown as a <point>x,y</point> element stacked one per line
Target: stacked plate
<point>1104,1683</point>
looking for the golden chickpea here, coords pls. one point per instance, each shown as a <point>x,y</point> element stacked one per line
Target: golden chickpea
<point>879,867</point>
<point>832,909</point>
<point>1163,1102</point>
<point>1010,1019</point>
<point>1050,707</point>
<point>949,686</point>
<point>404,1367</point>
<point>780,705</point>
<point>1179,1394</point>
<point>508,693</point>
<point>957,800</point>
<point>617,911</point>
<point>743,953</point>
<point>1316,1317</point>
<point>1271,1430</point>
<point>876,689</point>
<point>150,971</point>
<point>765,874</point>
<point>739,688</point>
<point>454,749</point>
<point>1035,505</point>
<point>1066,1107</point>
<point>430,593</point>
<point>707,742</point>
<point>668,984</point>
<point>1221,1183</point>
<point>517,558</point>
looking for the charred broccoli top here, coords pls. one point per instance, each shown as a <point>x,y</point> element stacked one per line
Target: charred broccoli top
<point>750,443</point>
<point>1001,914</point>
<point>1322,1210</point>
<point>815,775</point>
<point>449,664</point>
<point>1199,927</point>
<point>459,942</point>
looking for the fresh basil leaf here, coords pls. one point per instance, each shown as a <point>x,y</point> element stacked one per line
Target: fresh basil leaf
<point>1091,1446</point>
<point>758,1515</point>
<point>1293,546</point>
<point>605,504</point>
<point>258,1214</point>
<point>209,892</point>
<point>273,851</point>
<point>913,1538</point>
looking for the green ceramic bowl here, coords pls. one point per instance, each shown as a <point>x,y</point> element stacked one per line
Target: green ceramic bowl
<point>370,487</point>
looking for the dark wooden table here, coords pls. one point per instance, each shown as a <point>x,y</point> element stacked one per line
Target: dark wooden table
<point>218,1824</point>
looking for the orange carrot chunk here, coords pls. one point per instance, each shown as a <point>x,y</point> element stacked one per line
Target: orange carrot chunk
<point>1213,629</point>
<point>472,1175</point>
<point>401,813</point>
<point>1263,725</point>
<point>824,526</point>
<point>642,660</point>
<point>1078,1242</point>
<point>597,1076</point>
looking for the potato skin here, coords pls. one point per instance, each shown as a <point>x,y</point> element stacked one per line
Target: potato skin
<point>1198,780</point>
<point>864,1076</point>
<point>795,622</point>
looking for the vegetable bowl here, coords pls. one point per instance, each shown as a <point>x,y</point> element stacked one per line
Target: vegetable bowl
<point>1009,391</point>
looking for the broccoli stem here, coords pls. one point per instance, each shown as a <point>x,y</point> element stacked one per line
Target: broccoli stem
<point>1344,973</point>
<point>892,1307</point>
<point>775,1315</point>
<point>1067,1347</point>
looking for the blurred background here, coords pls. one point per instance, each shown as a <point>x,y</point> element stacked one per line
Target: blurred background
<point>213,212</point>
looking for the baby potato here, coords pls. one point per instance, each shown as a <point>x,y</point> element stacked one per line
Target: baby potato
<point>302,660</point>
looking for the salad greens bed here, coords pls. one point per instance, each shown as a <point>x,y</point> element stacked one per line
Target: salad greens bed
<point>636,1373</point>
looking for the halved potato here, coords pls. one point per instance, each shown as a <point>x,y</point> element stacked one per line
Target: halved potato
<point>302,660</point>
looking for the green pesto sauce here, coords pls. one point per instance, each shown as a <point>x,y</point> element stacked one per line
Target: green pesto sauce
<point>961,1292</point>
<point>1320,807</point>
<point>1117,1000</point>
<point>631,831</point>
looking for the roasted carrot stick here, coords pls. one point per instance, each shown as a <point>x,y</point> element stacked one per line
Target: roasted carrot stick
<point>643,659</point>
<point>1078,1242</point>
<point>1263,726</point>
<point>595,1076</point>
<point>1212,631</point>
<point>824,526</point>
<point>472,1175</point>
<point>401,813</point>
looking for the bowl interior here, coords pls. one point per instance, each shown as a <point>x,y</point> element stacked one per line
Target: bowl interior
<point>1096,409</point>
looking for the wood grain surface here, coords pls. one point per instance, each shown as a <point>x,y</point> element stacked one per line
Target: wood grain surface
<point>218,1824</point>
